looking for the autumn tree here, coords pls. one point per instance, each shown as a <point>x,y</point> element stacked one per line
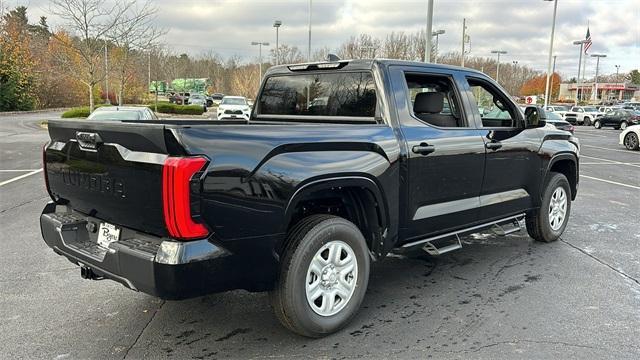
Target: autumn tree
<point>87,22</point>
<point>134,33</point>
<point>17,75</point>
<point>537,85</point>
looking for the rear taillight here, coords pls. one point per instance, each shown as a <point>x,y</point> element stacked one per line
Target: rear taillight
<point>177,174</point>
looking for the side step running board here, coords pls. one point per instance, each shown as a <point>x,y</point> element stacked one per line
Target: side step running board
<point>431,249</point>
<point>515,223</point>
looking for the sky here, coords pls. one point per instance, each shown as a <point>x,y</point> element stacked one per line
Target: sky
<point>520,27</point>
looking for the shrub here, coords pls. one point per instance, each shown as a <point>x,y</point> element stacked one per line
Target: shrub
<point>169,108</point>
<point>79,112</point>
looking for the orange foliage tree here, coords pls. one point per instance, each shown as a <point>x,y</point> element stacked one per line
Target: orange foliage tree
<point>537,84</point>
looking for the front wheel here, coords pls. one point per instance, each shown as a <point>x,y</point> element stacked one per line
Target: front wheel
<point>623,125</point>
<point>597,124</point>
<point>548,223</point>
<point>631,141</point>
<point>323,276</point>
<point>587,121</point>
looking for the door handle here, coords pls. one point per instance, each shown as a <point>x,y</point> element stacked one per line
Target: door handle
<point>494,145</point>
<point>423,149</point>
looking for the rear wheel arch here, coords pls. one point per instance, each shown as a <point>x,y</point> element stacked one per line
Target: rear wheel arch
<point>355,198</point>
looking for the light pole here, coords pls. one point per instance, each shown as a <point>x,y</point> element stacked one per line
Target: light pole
<point>553,29</point>
<point>553,71</point>
<point>464,39</point>
<point>309,44</point>
<point>617,73</point>
<point>436,34</point>
<point>597,56</point>
<point>581,43</point>
<point>260,44</point>
<point>498,67</point>
<point>427,47</point>
<point>277,24</point>
<point>106,73</point>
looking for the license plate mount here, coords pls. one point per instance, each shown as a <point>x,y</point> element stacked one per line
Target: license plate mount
<point>107,234</point>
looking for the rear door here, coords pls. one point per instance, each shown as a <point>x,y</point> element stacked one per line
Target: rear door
<point>513,167</point>
<point>445,158</point>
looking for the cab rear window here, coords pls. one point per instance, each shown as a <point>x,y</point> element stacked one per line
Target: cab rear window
<point>345,94</point>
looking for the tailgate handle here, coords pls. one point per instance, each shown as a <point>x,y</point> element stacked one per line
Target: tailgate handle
<point>88,140</point>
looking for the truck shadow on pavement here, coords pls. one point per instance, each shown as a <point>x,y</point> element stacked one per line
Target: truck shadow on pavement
<point>445,301</point>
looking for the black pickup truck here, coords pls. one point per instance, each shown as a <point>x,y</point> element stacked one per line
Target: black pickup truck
<point>340,163</point>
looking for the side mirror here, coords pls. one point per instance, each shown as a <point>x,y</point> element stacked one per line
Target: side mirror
<point>531,117</point>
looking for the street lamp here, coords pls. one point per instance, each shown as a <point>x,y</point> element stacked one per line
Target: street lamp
<point>260,44</point>
<point>309,44</point>
<point>581,43</point>
<point>427,47</point>
<point>436,34</point>
<point>553,29</point>
<point>498,67</point>
<point>277,24</point>
<point>597,56</point>
<point>617,73</point>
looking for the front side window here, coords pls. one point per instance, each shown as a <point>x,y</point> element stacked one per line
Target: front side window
<point>492,105</point>
<point>349,94</point>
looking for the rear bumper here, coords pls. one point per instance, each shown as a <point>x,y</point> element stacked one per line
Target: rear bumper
<point>157,266</point>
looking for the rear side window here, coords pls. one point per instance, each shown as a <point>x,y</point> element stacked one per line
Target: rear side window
<point>350,94</point>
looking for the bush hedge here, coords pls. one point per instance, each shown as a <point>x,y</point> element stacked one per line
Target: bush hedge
<point>169,108</point>
<point>163,107</point>
<point>79,112</point>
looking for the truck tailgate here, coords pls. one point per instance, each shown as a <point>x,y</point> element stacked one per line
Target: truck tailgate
<point>109,170</point>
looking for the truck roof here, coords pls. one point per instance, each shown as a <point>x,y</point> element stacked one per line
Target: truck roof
<point>359,64</point>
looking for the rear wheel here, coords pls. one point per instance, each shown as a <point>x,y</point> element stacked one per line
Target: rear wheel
<point>631,141</point>
<point>623,125</point>
<point>597,124</point>
<point>323,277</point>
<point>549,222</point>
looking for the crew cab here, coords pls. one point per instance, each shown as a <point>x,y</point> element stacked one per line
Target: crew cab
<point>339,164</point>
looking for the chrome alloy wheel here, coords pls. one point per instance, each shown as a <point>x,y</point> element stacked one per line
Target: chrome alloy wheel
<point>331,278</point>
<point>557,208</point>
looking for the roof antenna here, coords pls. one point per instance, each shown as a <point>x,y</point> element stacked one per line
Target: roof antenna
<point>333,57</point>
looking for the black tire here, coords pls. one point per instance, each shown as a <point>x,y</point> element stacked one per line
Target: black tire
<point>538,225</point>
<point>623,125</point>
<point>289,299</point>
<point>631,141</point>
<point>597,124</point>
<point>586,121</point>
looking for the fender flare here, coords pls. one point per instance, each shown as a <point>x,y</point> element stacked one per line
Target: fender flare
<point>558,157</point>
<point>317,184</point>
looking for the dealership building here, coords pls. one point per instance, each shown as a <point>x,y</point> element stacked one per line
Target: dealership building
<point>606,91</point>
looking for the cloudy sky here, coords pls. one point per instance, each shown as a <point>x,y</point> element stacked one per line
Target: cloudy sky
<point>521,27</point>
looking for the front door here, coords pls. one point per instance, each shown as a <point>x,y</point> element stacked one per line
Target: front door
<point>513,166</point>
<point>445,153</point>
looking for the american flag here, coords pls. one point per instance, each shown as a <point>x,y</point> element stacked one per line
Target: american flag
<point>587,44</point>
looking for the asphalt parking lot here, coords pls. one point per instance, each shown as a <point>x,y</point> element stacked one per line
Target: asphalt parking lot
<point>496,298</point>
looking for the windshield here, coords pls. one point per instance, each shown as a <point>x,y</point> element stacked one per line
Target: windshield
<point>234,101</point>
<point>196,96</point>
<point>590,109</point>
<point>115,115</point>
<point>560,108</point>
<point>327,94</point>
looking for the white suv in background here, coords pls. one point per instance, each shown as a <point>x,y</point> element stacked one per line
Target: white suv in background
<point>234,107</point>
<point>583,115</point>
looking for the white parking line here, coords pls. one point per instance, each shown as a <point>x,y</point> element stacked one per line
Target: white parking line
<point>611,161</point>
<point>610,182</point>
<point>20,177</point>
<point>603,148</point>
<point>27,170</point>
